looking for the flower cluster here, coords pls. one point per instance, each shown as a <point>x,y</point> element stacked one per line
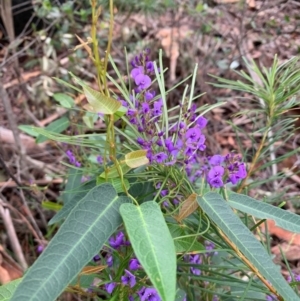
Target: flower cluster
<point>180,142</point>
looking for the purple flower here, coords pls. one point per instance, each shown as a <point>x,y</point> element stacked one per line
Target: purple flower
<point>99,159</point>
<point>216,171</point>
<point>160,157</point>
<point>150,66</point>
<point>157,108</point>
<point>109,261</point>
<point>216,160</point>
<point>40,249</point>
<point>134,264</point>
<point>150,294</point>
<point>118,241</point>
<point>215,298</point>
<point>96,258</point>
<point>128,279</point>
<point>131,112</point>
<point>192,135</point>
<point>109,287</point>
<point>145,107</point>
<point>149,95</point>
<point>136,71</point>
<point>140,141</point>
<point>142,81</point>
<point>216,182</point>
<point>195,259</point>
<point>201,122</point>
<point>164,192</point>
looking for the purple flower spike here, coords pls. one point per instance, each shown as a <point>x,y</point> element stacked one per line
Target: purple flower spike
<point>143,81</point>
<point>150,294</point>
<point>134,264</point>
<point>128,279</point>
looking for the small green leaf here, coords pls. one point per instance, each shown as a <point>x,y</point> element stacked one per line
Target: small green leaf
<point>222,215</point>
<point>283,218</point>
<point>56,126</point>
<point>64,100</point>
<point>89,225</point>
<point>7,290</point>
<point>136,158</point>
<point>153,245</point>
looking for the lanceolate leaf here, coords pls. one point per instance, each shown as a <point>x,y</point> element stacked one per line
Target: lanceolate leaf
<point>188,207</point>
<point>87,228</point>
<point>7,290</point>
<point>77,195</point>
<point>223,216</point>
<point>56,126</point>
<point>153,245</point>
<point>136,158</point>
<point>282,218</point>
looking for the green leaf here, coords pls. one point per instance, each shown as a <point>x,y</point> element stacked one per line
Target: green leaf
<point>153,245</point>
<point>136,158</point>
<point>7,290</point>
<point>56,126</point>
<point>69,204</point>
<point>219,211</point>
<point>98,102</point>
<point>73,182</point>
<point>182,243</point>
<point>93,220</point>
<point>282,218</point>
<point>113,171</point>
<point>28,130</point>
<point>64,100</point>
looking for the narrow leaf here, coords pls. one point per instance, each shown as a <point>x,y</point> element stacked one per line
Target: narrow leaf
<point>56,126</point>
<point>223,216</point>
<point>188,207</point>
<point>283,218</point>
<point>153,245</point>
<point>136,158</point>
<point>87,228</point>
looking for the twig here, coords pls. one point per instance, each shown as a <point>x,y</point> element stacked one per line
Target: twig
<point>5,214</point>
